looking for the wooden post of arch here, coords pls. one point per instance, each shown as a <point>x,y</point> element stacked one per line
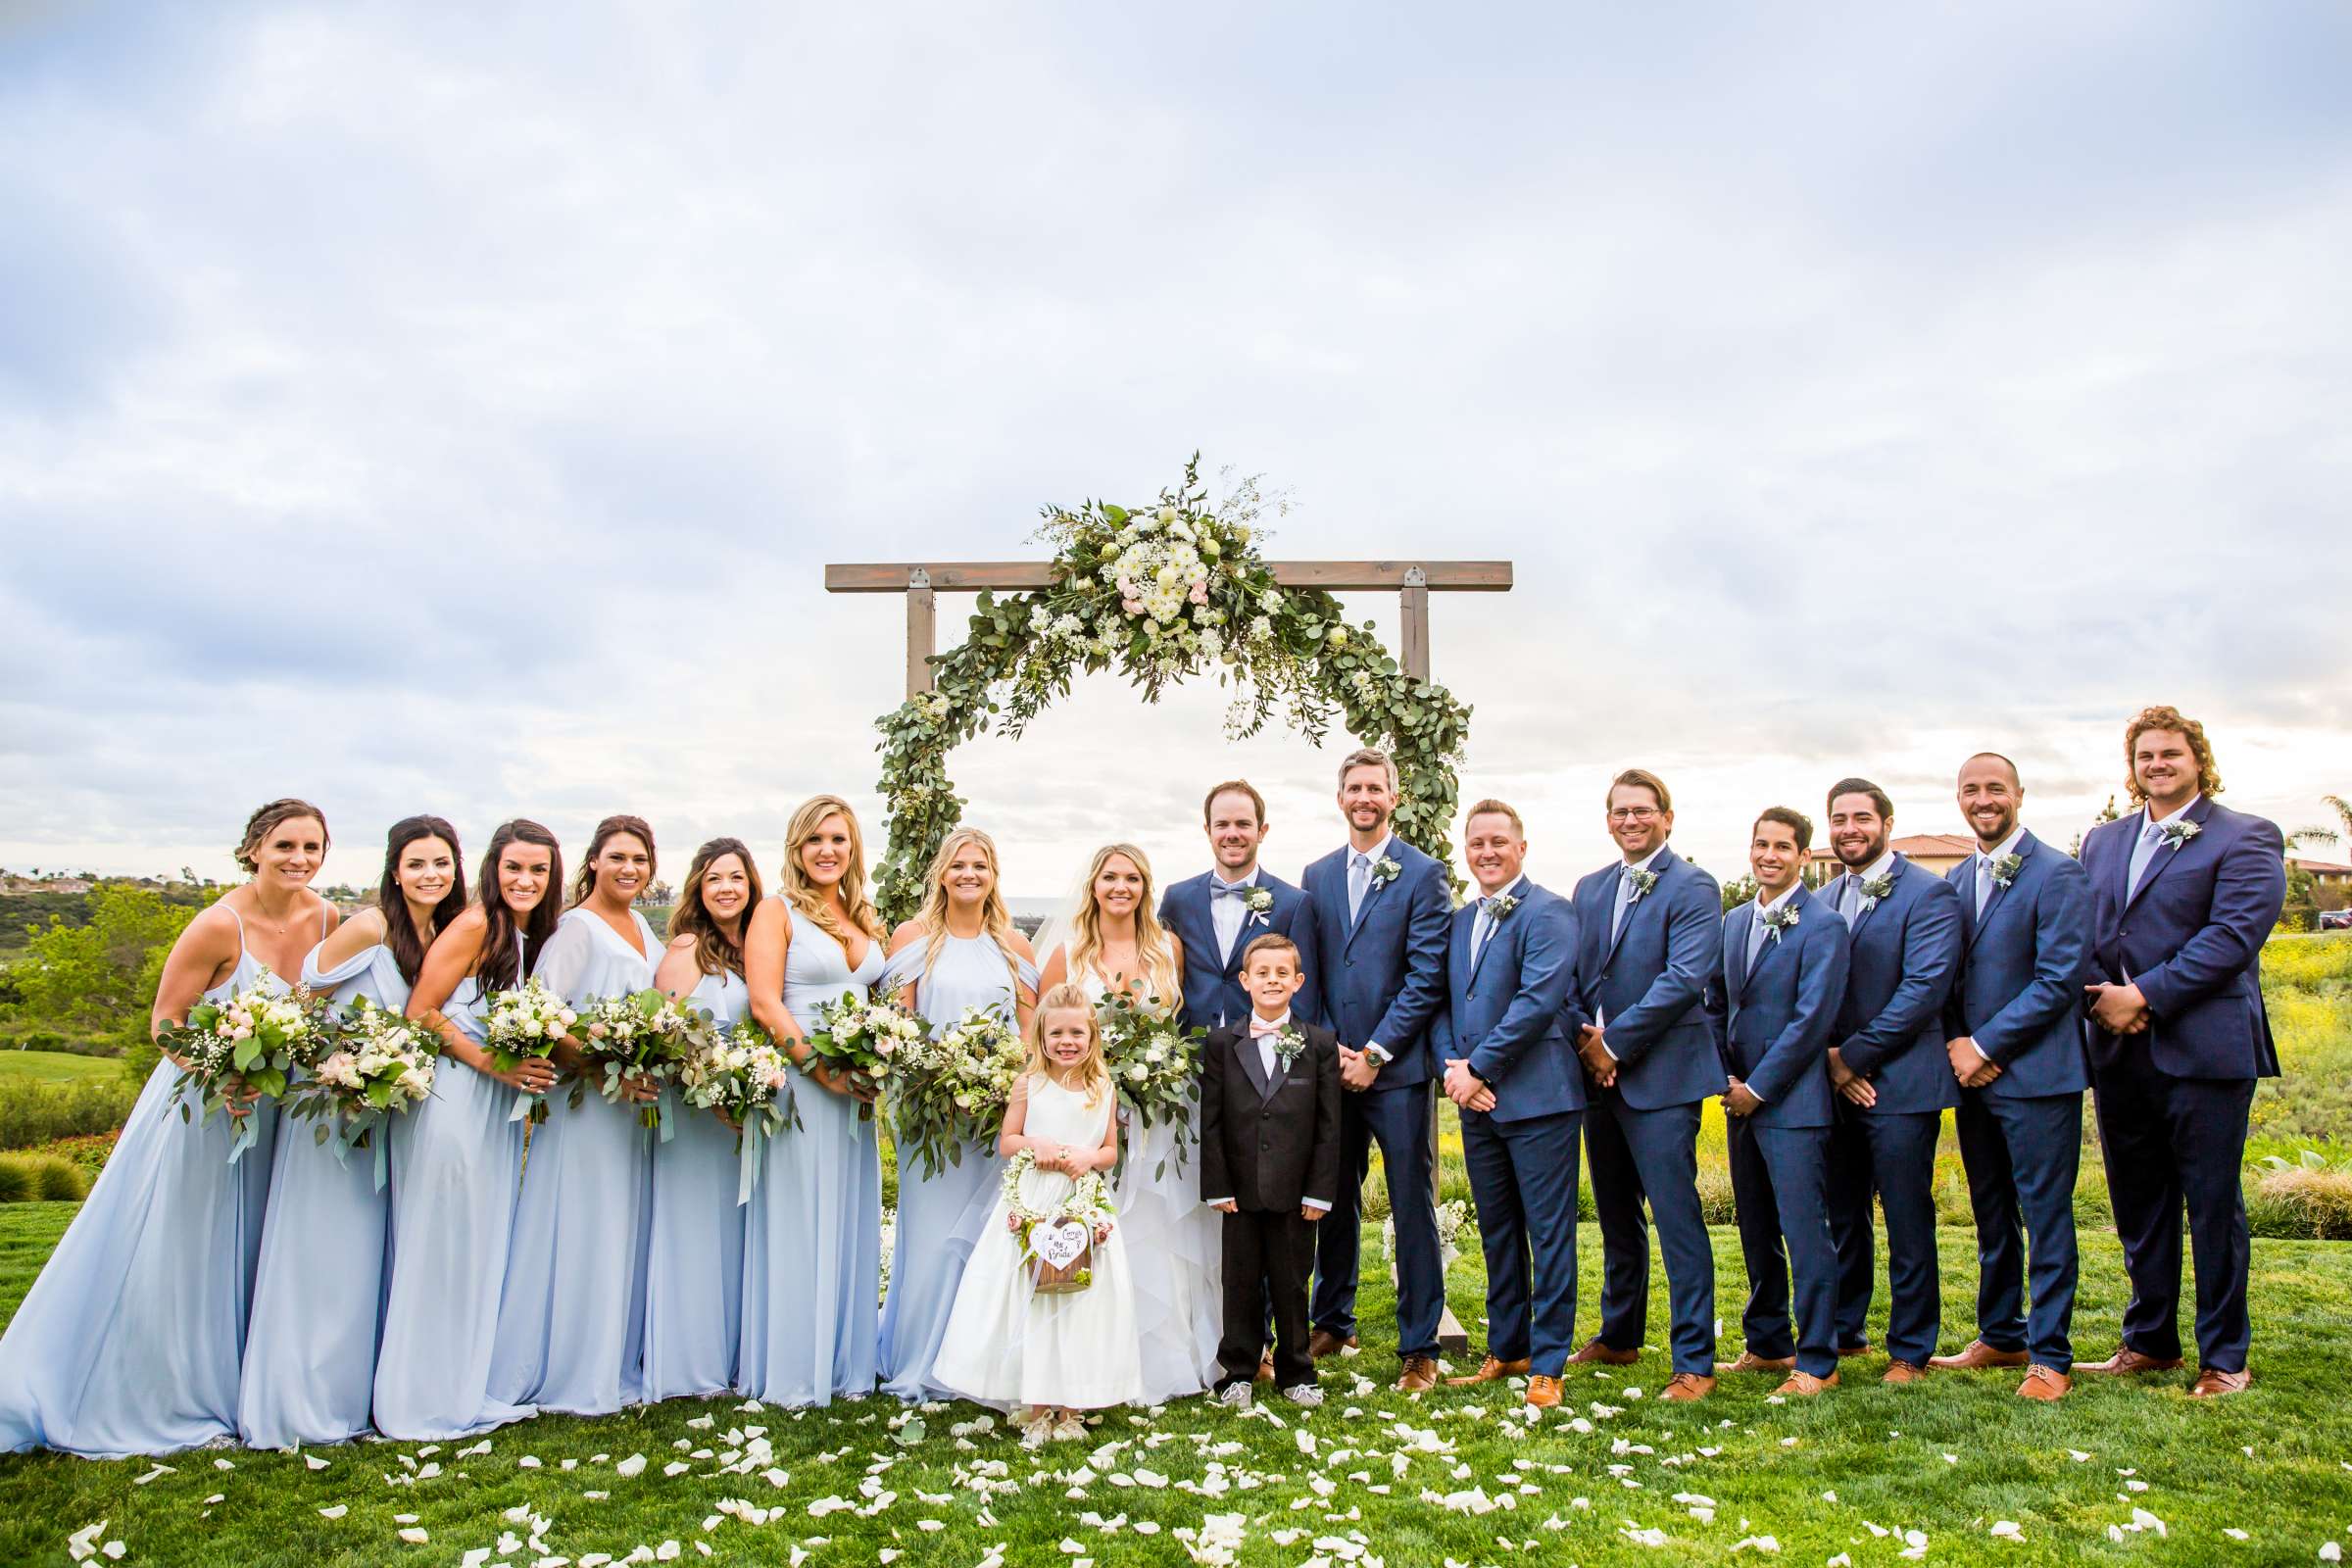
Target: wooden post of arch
<point>1412,581</point>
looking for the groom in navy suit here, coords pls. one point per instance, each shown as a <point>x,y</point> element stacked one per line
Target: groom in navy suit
<point>1381,910</point>
<point>1218,913</point>
<point>1893,1083</point>
<point>2185,892</point>
<point>1650,943</point>
<point>1784,976</point>
<point>1512,1069</point>
<point>2013,1038</point>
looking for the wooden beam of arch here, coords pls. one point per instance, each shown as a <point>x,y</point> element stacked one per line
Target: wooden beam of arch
<point>1025,577</point>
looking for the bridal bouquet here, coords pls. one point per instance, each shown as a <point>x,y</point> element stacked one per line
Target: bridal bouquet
<point>1153,1065</point>
<point>743,1077</point>
<point>1057,1236</point>
<point>253,1039</point>
<point>521,1024</point>
<point>377,1064</point>
<point>951,1091</point>
<point>867,1037</point>
<point>643,1035</point>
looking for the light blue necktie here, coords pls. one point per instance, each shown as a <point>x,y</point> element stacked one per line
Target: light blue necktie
<point>1755,935</point>
<point>1853,898</point>
<point>1984,881</point>
<point>1483,928</point>
<point>1228,890</point>
<point>1360,877</point>
<point>2142,852</point>
<point>1625,901</point>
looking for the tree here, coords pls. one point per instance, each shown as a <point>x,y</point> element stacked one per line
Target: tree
<point>99,979</point>
<point>2344,809</point>
<point>2107,813</point>
<point>1738,891</point>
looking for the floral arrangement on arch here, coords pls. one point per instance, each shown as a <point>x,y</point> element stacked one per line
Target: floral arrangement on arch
<point>1162,592</point>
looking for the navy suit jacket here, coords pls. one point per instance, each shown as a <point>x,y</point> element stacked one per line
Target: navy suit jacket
<point>1778,1019</point>
<point>2190,937</point>
<point>1902,957</point>
<point>1649,985</point>
<point>2019,995</point>
<point>1212,987</point>
<point>1384,977</point>
<point>1508,1013</point>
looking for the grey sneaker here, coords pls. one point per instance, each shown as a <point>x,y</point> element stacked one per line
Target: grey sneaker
<point>1305,1393</point>
<point>1235,1396</point>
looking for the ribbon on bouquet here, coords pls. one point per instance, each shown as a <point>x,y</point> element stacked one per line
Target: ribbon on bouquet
<point>663,1106</point>
<point>753,1136</point>
<point>522,1105</point>
<point>249,1133</point>
<point>347,1135</point>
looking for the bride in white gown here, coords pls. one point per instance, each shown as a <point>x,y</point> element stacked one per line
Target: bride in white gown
<point>1112,940</point>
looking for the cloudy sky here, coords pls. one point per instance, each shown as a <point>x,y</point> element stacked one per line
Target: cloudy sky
<point>453,407</point>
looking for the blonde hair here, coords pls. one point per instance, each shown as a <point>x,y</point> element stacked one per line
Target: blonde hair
<point>804,894</point>
<point>996,920</point>
<point>1094,1073</point>
<point>1153,954</point>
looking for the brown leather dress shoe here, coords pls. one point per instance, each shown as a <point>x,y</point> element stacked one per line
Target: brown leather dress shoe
<point>1596,1352</point>
<point>1420,1375</point>
<point>1750,1361</point>
<point>1902,1372</point>
<point>1265,1367</point>
<point>2127,1359</point>
<point>1323,1345</point>
<point>2211,1383</point>
<point>1685,1387</point>
<point>1846,1353</point>
<point>2044,1383</point>
<point>1543,1392</point>
<point>1977,1358</point>
<point>1493,1371</point>
<point>1804,1385</point>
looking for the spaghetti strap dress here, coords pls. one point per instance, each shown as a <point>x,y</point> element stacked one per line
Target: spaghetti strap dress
<point>693,1281</point>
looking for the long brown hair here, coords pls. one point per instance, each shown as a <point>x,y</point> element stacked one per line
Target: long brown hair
<point>714,952</point>
<point>2170,720</point>
<point>502,967</point>
<point>1153,954</point>
<point>259,825</point>
<point>585,883</point>
<point>400,931</point>
<point>806,896</point>
<point>996,920</point>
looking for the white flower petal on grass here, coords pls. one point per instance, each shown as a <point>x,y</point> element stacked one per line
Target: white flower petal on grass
<point>2330,1551</point>
<point>2007,1530</point>
<point>312,1461</point>
<point>404,1518</point>
<point>1757,1544</point>
<point>530,1461</point>
<point>2077,1456</point>
<point>414,1537</point>
<point>335,1512</point>
<point>632,1467</point>
<point>159,1470</point>
<point>676,1467</point>
<point>223,1464</point>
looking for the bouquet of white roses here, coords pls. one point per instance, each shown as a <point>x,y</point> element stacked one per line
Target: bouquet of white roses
<point>743,1076</point>
<point>1057,1232</point>
<point>951,1091</point>
<point>864,1037</point>
<point>253,1039</point>
<point>643,1035</point>
<point>525,1023</point>
<point>1154,1065</point>
<point>378,1065</point>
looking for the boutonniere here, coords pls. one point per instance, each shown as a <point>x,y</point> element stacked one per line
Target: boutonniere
<point>1286,1046</point>
<point>1779,920</point>
<point>1386,872</point>
<point>1259,902</point>
<point>2178,831</point>
<point>1877,888</point>
<point>1642,879</point>
<point>1499,907</point>
<point>2005,869</point>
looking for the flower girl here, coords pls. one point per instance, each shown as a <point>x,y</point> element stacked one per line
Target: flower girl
<point>1044,1316</point>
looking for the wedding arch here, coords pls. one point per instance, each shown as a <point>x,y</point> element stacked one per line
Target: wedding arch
<point>1160,593</point>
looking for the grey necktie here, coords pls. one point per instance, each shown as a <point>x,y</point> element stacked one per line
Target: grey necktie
<point>1755,935</point>
<point>1984,881</point>
<point>2142,852</point>
<point>1853,898</point>
<point>1482,929</point>
<point>1625,901</point>
<point>1360,877</point>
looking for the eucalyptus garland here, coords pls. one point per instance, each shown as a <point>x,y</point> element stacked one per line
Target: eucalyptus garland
<point>1160,593</point>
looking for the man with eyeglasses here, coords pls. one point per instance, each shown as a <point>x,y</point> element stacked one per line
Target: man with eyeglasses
<point>1649,942</point>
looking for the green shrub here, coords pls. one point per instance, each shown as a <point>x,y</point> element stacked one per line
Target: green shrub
<point>2301,1202</point>
<point>59,1181</point>
<point>40,1178</point>
<point>2299,917</point>
<point>35,1113</point>
<point>16,1181</point>
<point>87,1154</point>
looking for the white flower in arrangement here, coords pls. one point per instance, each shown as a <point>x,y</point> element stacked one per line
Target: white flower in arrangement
<point>1167,514</point>
<point>1261,629</point>
<point>1067,626</point>
<point>1270,601</point>
<point>1360,682</point>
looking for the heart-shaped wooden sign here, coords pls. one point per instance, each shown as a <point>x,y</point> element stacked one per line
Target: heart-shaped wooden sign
<point>1061,1243</point>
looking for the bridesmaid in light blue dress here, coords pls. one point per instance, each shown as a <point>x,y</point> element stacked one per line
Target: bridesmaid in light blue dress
<point>458,1158</point>
<point>132,1341</point>
<point>959,952</point>
<point>571,1317</point>
<point>693,1281</point>
<point>813,1239</point>
<point>309,1365</point>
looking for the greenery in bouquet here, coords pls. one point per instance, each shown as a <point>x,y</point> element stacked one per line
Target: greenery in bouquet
<point>864,1038</point>
<point>644,1035</point>
<point>253,1040</point>
<point>948,1090</point>
<point>744,1076</point>
<point>520,1024</point>
<point>1154,1065</point>
<point>376,1064</point>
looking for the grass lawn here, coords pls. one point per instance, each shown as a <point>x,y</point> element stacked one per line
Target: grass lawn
<point>1463,1478</point>
<point>56,1066</point>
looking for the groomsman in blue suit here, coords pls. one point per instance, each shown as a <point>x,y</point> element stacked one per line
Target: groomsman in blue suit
<point>1382,910</point>
<point>1218,913</point>
<point>1650,943</point>
<point>1892,1079</point>
<point>1510,1066</point>
<point>1783,978</point>
<point>2184,892</point>
<point>2013,1038</point>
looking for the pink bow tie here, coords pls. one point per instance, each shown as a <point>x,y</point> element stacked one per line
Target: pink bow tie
<point>1260,1026</point>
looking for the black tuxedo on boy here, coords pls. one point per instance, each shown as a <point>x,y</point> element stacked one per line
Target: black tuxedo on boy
<point>1269,1144</point>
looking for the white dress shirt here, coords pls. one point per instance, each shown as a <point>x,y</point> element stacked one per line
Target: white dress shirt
<point>1984,860</point>
<point>1227,915</point>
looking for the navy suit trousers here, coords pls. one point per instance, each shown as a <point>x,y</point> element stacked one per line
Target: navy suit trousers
<point>2023,1155</point>
<point>2172,1142</point>
<point>1523,1179</point>
<point>1894,1155</point>
<point>1398,1120</point>
<point>1632,1155</point>
<point>1780,1183</point>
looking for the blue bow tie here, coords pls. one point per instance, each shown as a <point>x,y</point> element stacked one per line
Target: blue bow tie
<point>1225,890</point>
